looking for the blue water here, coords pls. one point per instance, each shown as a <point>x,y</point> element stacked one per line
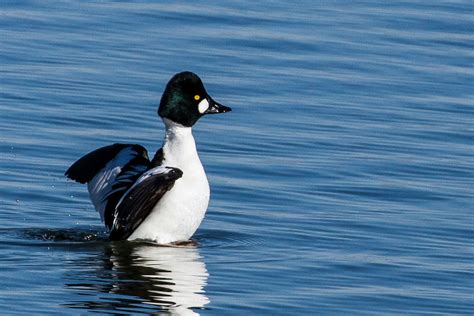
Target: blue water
<point>342,182</point>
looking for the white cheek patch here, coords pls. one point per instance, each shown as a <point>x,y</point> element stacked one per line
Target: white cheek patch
<point>203,106</point>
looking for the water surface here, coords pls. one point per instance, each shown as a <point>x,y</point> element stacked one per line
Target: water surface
<point>342,182</point>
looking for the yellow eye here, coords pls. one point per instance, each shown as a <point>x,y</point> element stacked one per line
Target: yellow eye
<point>197,97</point>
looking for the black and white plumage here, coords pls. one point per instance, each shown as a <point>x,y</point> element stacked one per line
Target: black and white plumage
<point>164,199</point>
<point>123,185</point>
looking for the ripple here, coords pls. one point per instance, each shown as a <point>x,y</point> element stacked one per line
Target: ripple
<point>213,238</point>
<point>71,235</point>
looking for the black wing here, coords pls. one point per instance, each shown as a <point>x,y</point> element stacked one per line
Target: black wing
<point>140,199</point>
<point>87,167</point>
<point>109,172</point>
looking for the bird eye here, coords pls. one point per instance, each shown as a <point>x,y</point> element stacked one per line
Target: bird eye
<point>197,97</point>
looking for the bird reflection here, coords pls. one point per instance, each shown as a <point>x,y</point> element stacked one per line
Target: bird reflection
<point>140,277</point>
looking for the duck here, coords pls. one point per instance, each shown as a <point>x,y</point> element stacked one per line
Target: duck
<point>163,199</point>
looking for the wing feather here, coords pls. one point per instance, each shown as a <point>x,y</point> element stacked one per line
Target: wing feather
<point>138,202</point>
<point>109,172</point>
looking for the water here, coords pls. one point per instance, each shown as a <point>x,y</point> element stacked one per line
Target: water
<point>342,182</point>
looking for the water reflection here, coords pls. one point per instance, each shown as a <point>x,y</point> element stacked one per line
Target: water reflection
<point>138,277</point>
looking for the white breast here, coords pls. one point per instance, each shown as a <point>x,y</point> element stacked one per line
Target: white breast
<point>180,211</point>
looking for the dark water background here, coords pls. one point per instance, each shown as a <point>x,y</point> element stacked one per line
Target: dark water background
<point>342,182</point>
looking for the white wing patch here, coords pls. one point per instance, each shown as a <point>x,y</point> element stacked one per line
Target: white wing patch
<point>101,185</point>
<point>203,106</point>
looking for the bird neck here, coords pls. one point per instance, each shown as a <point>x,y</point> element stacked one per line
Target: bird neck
<point>179,148</point>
